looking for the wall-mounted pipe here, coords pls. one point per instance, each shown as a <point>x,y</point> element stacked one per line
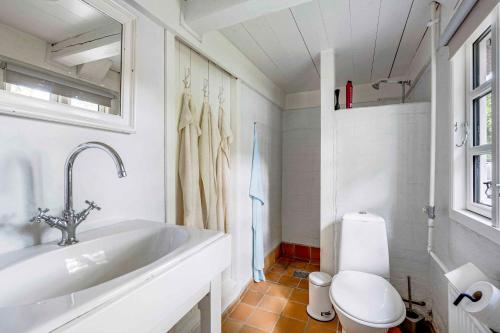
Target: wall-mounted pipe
<point>430,210</point>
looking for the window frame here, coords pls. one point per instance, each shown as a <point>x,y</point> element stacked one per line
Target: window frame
<point>27,107</point>
<point>472,94</point>
<point>462,96</point>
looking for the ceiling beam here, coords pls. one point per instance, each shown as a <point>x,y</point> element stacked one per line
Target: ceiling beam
<point>203,16</point>
<point>88,47</point>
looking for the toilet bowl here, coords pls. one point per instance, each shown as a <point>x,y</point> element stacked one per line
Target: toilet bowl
<point>360,292</point>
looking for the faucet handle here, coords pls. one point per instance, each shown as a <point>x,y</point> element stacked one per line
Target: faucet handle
<point>39,217</point>
<point>92,205</point>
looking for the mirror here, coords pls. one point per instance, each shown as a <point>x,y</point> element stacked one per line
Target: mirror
<point>64,60</point>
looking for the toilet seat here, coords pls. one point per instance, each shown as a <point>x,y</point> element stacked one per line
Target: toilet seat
<point>367,298</point>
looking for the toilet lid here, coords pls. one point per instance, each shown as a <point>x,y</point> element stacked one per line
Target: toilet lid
<point>367,297</point>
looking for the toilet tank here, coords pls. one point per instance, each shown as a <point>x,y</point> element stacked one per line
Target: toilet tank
<point>363,244</point>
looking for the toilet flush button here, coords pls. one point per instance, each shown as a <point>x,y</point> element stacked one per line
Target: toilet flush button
<point>363,212</point>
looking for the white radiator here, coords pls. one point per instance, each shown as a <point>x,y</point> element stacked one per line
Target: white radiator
<point>460,321</point>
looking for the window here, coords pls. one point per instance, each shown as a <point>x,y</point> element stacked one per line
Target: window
<point>480,115</point>
<point>26,91</point>
<point>474,196</point>
<point>23,80</point>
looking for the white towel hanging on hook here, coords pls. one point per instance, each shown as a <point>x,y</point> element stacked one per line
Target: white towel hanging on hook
<point>209,144</point>
<point>189,172</point>
<point>223,167</point>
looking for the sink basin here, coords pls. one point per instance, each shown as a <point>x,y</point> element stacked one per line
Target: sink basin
<point>117,251</point>
<point>52,285</point>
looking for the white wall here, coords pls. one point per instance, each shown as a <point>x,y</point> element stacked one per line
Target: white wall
<point>244,105</point>
<point>453,243</point>
<point>32,156</point>
<point>381,159</point>
<point>363,95</point>
<point>201,70</point>
<point>255,108</point>
<point>214,45</point>
<point>301,176</point>
<point>421,90</point>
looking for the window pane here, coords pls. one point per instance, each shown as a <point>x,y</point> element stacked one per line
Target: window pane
<point>482,120</point>
<point>482,166</point>
<point>482,50</point>
<point>26,91</point>
<point>84,104</point>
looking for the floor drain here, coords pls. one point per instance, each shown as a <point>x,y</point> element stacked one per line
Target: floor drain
<point>301,274</point>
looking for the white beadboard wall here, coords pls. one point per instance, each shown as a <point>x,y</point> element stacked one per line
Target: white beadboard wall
<point>252,106</point>
<point>255,108</point>
<point>381,162</point>
<point>201,69</point>
<point>301,176</point>
<point>32,156</point>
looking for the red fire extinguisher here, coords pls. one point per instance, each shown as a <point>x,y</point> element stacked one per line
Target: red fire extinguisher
<point>348,95</point>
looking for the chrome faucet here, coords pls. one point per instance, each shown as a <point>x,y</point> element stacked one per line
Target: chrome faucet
<point>71,220</point>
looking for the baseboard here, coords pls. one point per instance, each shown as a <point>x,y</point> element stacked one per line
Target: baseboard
<point>301,252</point>
<point>269,260</point>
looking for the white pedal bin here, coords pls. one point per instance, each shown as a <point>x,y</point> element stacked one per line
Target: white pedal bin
<point>320,307</point>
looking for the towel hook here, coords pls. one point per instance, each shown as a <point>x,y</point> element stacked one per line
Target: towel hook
<point>187,77</point>
<point>466,133</point>
<point>206,88</point>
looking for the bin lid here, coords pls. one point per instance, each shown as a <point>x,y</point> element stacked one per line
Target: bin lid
<point>320,279</point>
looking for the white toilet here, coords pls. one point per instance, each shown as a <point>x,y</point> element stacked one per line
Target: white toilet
<point>361,294</point>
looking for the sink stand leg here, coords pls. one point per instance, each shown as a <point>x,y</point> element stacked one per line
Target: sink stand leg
<point>210,308</point>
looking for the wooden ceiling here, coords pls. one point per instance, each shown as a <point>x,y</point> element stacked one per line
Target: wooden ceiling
<point>373,39</point>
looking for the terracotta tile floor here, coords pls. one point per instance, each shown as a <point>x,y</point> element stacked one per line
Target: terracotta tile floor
<point>278,305</point>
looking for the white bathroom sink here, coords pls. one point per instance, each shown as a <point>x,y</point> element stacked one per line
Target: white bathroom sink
<point>49,285</point>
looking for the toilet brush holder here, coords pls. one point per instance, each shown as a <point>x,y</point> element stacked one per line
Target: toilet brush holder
<point>413,322</point>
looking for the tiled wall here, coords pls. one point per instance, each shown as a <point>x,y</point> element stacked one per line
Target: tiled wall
<point>381,160</point>
<point>300,252</point>
<point>301,176</point>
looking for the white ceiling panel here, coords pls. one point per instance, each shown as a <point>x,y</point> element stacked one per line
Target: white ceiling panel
<point>390,29</point>
<point>336,17</point>
<point>296,60</point>
<point>364,32</point>
<point>252,50</point>
<point>313,30</point>
<point>279,40</point>
<point>372,39</point>
<point>414,32</point>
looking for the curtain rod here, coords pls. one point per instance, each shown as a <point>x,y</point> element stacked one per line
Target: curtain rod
<point>456,21</point>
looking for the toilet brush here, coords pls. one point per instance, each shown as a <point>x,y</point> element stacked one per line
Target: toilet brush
<point>413,319</point>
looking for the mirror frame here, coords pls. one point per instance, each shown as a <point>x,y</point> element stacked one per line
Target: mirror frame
<point>23,106</point>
